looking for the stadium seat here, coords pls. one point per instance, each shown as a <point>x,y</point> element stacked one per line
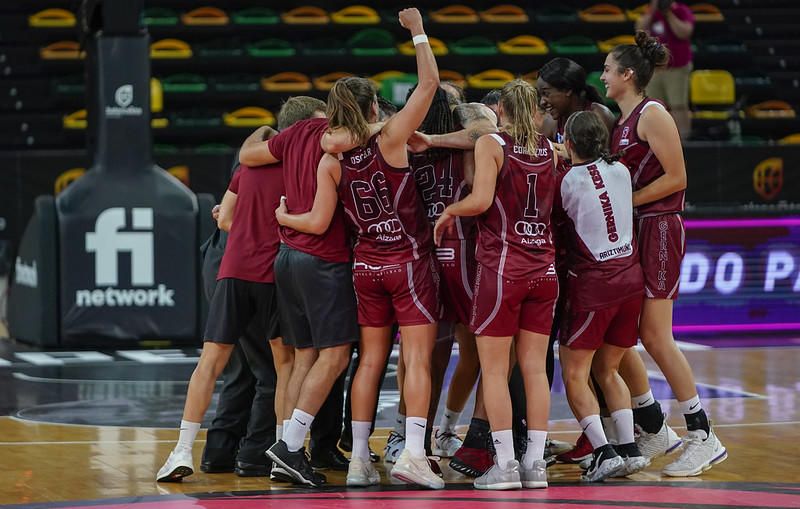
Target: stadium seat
<point>438,47</point>
<point>195,118</point>
<point>66,178</point>
<point>707,13</point>
<point>220,48</point>
<point>453,76</point>
<point>602,13</point>
<point>574,44</point>
<point>531,77</point>
<point>306,15</point>
<point>792,139</point>
<point>377,79</point>
<point>455,14</point>
<point>159,17</point>
<point>184,83</point>
<point>609,44</point>
<point>712,87</point>
<point>287,82</point>
<point>170,48</point>
<point>489,79</point>
<point>771,109</point>
<point>255,16</point>
<point>504,14</point>
<point>205,16</point>
<point>235,83</point>
<point>325,82</point>
<point>473,46</point>
<point>636,13</point>
<point>249,116</point>
<point>723,44</point>
<point>356,15</point>
<point>52,18</point>
<point>68,85</point>
<point>271,48</point>
<point>62,50</point>
<point>372,42</point>
<point>557,14</point>
<point>75,120</point>
<point>156,96</point>
<point>325,47</point>
<point>524,45</point>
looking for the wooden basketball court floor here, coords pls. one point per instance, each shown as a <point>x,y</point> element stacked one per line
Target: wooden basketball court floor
<point>91,429</point>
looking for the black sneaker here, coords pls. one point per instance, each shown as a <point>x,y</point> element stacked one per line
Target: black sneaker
<point>245,469</point>
<point>605,463</point>
<point>329,459</point>
<point>296,464</point>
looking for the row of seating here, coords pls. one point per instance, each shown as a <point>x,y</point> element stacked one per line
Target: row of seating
<point>364,15</point>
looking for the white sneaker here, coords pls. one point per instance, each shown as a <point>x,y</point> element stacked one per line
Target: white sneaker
<point>497,478</point>
<point>700,453</point>
<point>178,465</point>
<point>362,473</point>
<point>653,445</point>
<point>536,477</point>
<point>412,470</point>
<point>605,463</point>
<point>556,447</point>
<point>446,444</point>
<point>394,446</point>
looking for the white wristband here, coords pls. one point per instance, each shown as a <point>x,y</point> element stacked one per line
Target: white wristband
<point>419,39</point>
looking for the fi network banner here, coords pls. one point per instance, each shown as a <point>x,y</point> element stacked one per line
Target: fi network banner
<point>740,275</point>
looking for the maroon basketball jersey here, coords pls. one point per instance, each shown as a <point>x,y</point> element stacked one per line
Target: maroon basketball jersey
<point>514,235</point>
<point>441,182</point>
<point>383,208</point>
<point>642,163</point>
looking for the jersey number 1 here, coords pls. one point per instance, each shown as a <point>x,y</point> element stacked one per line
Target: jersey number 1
<point>530,204</point>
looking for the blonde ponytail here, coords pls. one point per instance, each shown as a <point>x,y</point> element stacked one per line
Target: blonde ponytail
<point>519,101</point>
<point>349,103</point>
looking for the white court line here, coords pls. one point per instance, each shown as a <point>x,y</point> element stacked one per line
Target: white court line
<point>41,379</point>
<point>94,442</point>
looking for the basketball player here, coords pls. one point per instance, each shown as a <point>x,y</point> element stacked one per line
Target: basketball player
<point>604,287</point>
<point>515,287</point>
<point>244,297</point>
<point>651,148</point>
<point>394,275</point>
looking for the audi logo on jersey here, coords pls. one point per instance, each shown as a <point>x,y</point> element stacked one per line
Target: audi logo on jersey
<point>389,226</point>
<point>528,229</point>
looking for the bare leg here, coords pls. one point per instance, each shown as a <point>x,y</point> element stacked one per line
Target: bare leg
<point>201,386</point>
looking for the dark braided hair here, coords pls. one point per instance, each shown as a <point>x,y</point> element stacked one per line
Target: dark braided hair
<point>565,74</point>
<point>588,136</point>
<point>642,57</point>
<point>439,120</point>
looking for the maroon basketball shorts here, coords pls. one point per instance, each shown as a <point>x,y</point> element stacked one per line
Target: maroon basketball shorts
<point>616,325</point>
<point>662,244</point>
<point>457,271</point>
<point>406,293</point>
<point>501,306</point>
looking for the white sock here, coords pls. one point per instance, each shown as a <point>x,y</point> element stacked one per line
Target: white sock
<point>278,432</point>
<point>187,435</point>
<point>449,421</point>
<point>690,406</point>
<point>286,423</point>
<point>295,434</point>
<point>503,446</point>
<point>361,432</point>
<point>415,436</point>
<point>400,424</point>
<point>593,428</point>
<point>623,425</point>
<point>643,400</point>
<point>535,449</point>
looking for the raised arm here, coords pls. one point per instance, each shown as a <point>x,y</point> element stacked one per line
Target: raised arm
<point>657,128</point>
<point>318,219</point>
<point>401,126</point>
<point>255,149</point>
<point>488,161</point>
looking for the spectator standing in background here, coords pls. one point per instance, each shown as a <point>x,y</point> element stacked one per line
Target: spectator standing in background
<point>673,24</point>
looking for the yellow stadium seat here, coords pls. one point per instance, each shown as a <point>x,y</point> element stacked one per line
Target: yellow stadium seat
<point>156,96</point>
<point>771,109</point>
<point>455,14</point>
<point>385,75</point>
<point>66,178</point>
<point>792,139</point>
<point>707,13</point>
<point>453,77</point>
<point>602,13</point>
<point>170,48</point>
<point>712,87</point>
<point>505,13</point>
<point>62,50</point>
<point>531,77</point>
<point>306,15</point>
<point>356,15</point>
<point>609,44</point>
<point>325,82</point>
<point>75,120</point>
<point>492,78</point>
<point>524,45</point>
<point>205,16</point>
<point>438,47</point>
<point>249,116</point>
<point>52,18</point>
<point>636,13</point>
<point>287,82</point>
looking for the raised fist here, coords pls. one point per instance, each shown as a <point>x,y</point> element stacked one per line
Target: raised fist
<point>410,19</point>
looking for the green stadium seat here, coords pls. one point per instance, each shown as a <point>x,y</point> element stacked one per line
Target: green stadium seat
<point>327,47</point>
<point>574,44</point>
<point>221,48</point>
<point>184,84</point>
<point>396,88</point>
<point>271,48</point>
<point>235,83</point>
<point>593,78</point>
<point>372,42</point>
<point>556,14</point>
<point>473,46</point>
<point>255,16</point>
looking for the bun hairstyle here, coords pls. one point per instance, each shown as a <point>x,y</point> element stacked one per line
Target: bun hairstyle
<point>565,74</point>
<point>588,136</point>
<point>349,104</point>
<point>643,58</point>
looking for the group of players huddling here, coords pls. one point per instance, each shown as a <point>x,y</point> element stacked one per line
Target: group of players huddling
<point>495,217</point>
